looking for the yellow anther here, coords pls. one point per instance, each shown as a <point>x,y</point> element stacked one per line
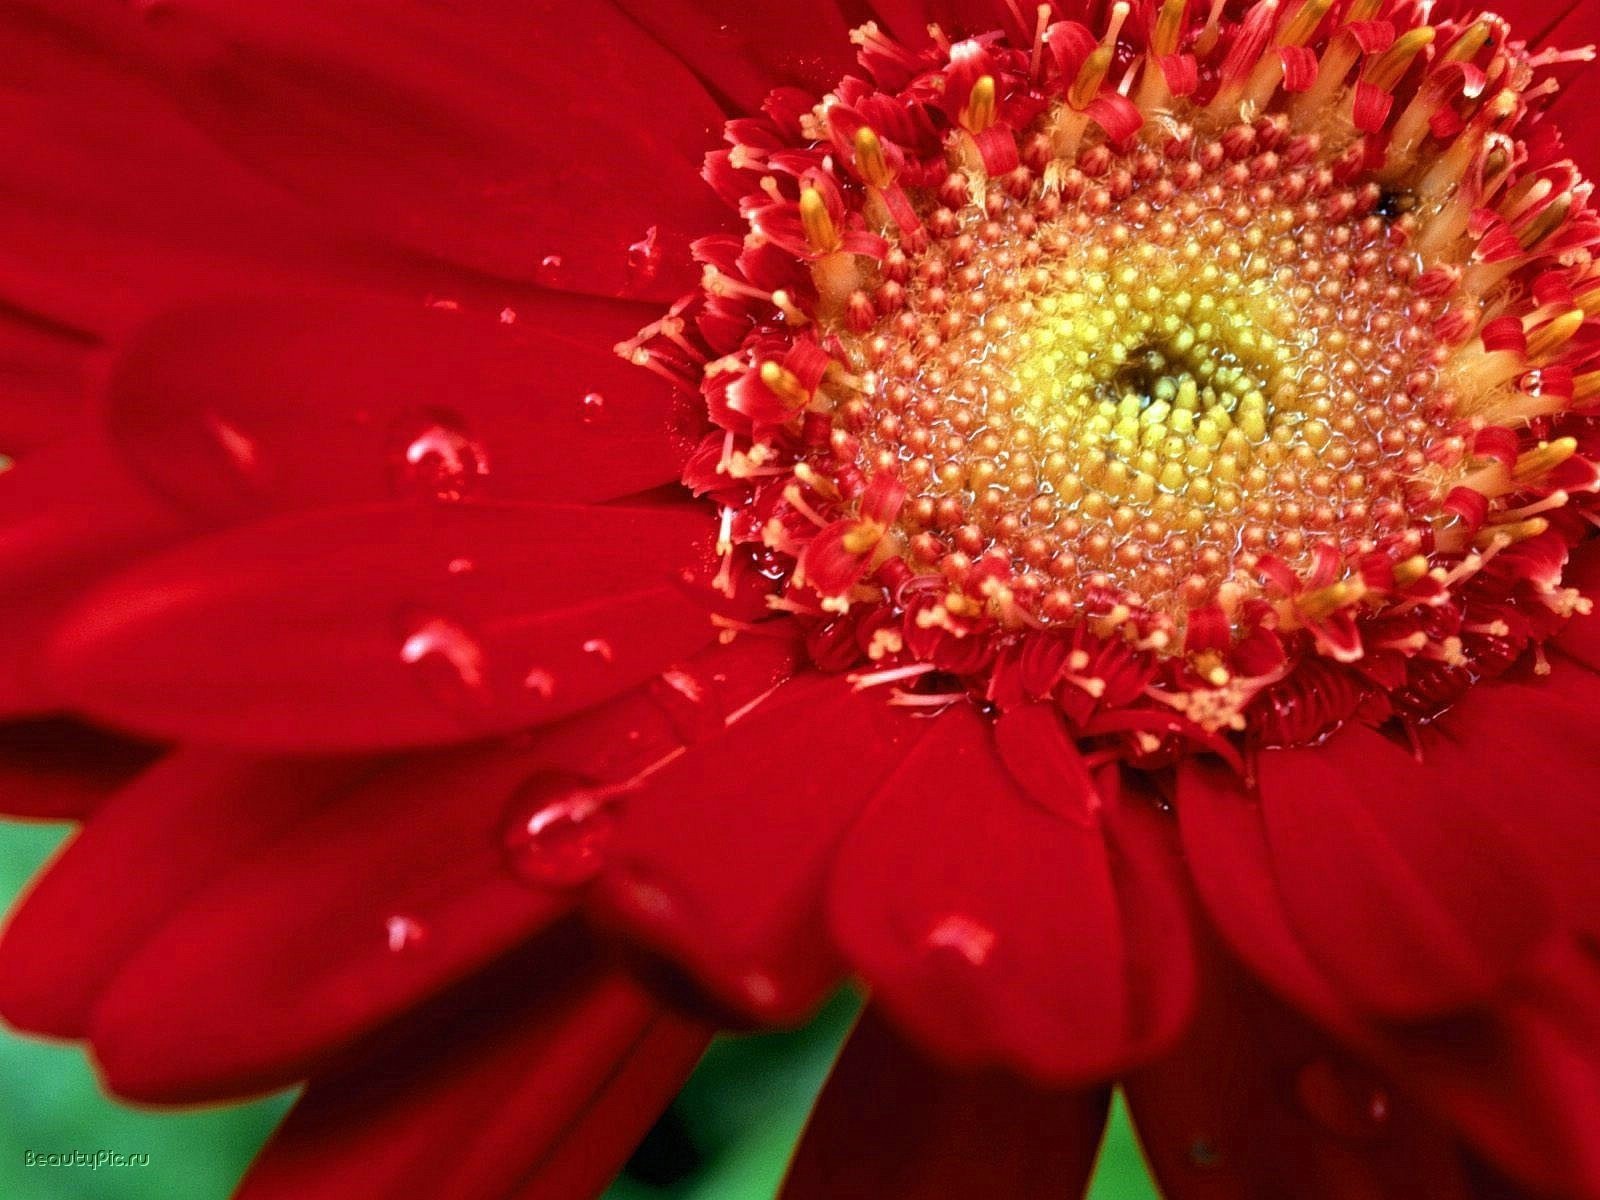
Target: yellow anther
<point>1169,28</point>
<point>1324,602</point>
<point>1465,48</point>
<point>784,384</point>
<point>862,537</point>
<point>981,106</point>
<point>1553,335</point>
<point>1510,533</point>
<point>1550,218</point>
<point>821,234</point>
<point>1090,76</point>
<point>1386,70</point>
<point>871,164</point>
<point>1410,571</point>
<point>1297,30</point>
<point>1586,387</point>
<point>1543,458</point>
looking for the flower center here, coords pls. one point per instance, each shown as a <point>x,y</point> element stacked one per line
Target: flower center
<point>1221,369</point>
<point>1134,383</point>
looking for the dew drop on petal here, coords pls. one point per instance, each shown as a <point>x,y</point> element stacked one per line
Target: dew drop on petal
<point>1343,1099</point>
<point>968,937</point>
<point>461,566</point>
<point>688,704</point>
<point>403,932</point>
<point>558,829</point>
<point>644,257</point>
<point>552,271</point>
<point>436,458</point>
<point>448,659</point>
<point>540,682</point>
<point>600,648</point>
<point>594,405</point>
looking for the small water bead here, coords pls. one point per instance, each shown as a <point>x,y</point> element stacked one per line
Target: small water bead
<point>1344,1099</point>
<point>558,829</point>
<point>437,458</point>
<point>449,661</point>
<point>593,407</point>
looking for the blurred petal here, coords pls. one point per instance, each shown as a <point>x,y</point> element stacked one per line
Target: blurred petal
<point>484,1099</point>
<point>972,910</point>
<point>388,626</point>
<point>722,856</point>
<point>57,769</point>
<point>534,141</point>
<point>243,407</point>
<point>892,1123</point>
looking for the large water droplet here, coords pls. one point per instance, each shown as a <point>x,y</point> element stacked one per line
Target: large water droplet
<point>558,829</point>
<point>1344,1099</point>
<point>403,932</point>
<point>435,457</point>
<point>449,661</point>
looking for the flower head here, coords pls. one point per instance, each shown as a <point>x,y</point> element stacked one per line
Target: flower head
<point>1081,519</point>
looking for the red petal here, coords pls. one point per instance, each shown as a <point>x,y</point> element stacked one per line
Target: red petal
<point>387,626</point>
<point>890,1123</point>
<point>1257,1104</point>
<point>1522,1081</point>
<point>114,206</point>
<point>142,857</point>
<point>59,769</point>
<point>71,515</point>
<point>1410,898</point>
<point>745,48</point>
<point>721,857</point>
<point>43,395</point>
<point>996,931</point>
<point>238,408</point>
<point>400,886</point>
<point>498,136</point>
<point>1540,736</point>
<point>476,1108</point>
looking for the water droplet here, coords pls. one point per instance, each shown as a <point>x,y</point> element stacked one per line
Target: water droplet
<point>968,937</point>
<point>437,458</point>
<point>449,659</point>
<point>1343,1098</point>
<point>600,648</point>
<point>240,448</point>
<point>688,704</point>
<point>593,407</point>
<point>552,271</point>
<point>461,566</point>
<point>541,681</point>
<point>403,932</point>
<point>508,316</point>
<point>558,829</point>
<point>644,257</point>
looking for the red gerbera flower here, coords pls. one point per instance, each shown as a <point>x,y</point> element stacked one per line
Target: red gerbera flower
<point>1131,611</point>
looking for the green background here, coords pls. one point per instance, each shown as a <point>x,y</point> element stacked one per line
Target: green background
<point>744,1108</point>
